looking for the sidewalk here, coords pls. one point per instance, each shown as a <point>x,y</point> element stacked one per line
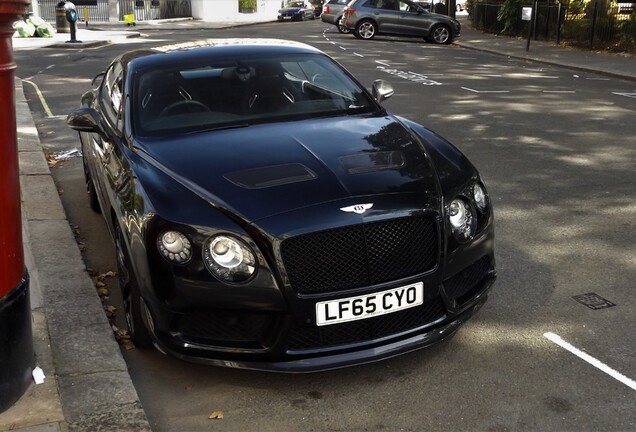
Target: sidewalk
<point>87,386</point>
<point>612,65</point>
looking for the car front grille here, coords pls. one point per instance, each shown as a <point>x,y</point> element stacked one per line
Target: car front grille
<point>304,338</point>
<point>360,255</point>
<point>460,286</point>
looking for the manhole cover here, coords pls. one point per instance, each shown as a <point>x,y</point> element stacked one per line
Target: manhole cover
<point>593,301</point>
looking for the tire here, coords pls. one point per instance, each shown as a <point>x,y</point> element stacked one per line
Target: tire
<point>131,296</point>
<point>366,29</point>
<point>90,190</point>
<point>440,34</point>
<point>342,29</point>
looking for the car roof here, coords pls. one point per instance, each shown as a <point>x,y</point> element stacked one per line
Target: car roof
<point>184,52</point>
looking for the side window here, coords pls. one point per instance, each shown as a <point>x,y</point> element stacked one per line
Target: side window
<point>111,95</point>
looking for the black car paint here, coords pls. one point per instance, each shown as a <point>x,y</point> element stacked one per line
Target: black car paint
<point>146,186</point>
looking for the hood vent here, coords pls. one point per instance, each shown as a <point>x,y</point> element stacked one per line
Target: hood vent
<point>270,176</point>
<point>375,161</point>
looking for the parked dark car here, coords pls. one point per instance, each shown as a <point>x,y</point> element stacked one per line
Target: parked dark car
<point>332,14</point>
<point>268,213</point>
<point>368,18</point>
<point>297,10</point>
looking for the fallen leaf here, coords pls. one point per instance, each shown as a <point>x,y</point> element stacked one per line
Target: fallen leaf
<point>216,415</point>
<point>103,292</point>
<point>110,311</point>
<point>128,345</point>
<point>100,284</point>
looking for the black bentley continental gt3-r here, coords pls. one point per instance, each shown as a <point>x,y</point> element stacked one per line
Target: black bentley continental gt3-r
<point>268,212</point>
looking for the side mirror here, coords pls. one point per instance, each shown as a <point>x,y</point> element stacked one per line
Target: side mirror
<point>381,90</point>
<point>97,77</point>
<point>86,120</point>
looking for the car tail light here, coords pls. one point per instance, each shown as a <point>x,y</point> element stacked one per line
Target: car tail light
<point>327,10</point>
<point>349,11</point>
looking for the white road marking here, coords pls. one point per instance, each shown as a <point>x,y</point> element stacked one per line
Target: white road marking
<point>356,54</point>
<point>591,360</point>
<point>411,76</point>
<point>629,95</point>
<point>382,63</point>
<point>597,79</point>
<point>47,110</point>
<point>559,91</point>
<point>485,91</point>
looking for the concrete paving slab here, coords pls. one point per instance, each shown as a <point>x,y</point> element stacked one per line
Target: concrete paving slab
<point>44,200</point>
<point>102,402</point>
<point>33,163</point>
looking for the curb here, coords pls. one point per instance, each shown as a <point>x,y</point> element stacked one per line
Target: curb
<point>91,376</point>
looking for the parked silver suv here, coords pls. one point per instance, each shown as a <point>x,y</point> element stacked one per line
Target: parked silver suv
<point>366,18</point>
<point>332,13</point>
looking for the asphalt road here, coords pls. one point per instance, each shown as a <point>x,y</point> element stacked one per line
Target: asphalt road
<point>556,149</point>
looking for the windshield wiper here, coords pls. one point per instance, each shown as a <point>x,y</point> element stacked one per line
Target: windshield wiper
<point>218,128</point>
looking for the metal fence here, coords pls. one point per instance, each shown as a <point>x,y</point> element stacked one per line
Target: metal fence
<point>546,24</point>
<point>142,10</point>
<point>575,22</point>
<point>97,13</point>
<point>177,9</point>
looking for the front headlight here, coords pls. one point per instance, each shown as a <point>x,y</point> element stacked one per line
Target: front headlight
<point>174,247</point>
<point>229,258</point>
<point>461,219</point>
<point>480,198</point>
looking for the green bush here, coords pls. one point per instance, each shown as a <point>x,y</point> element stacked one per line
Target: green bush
<point>247,4</point>
<point>508,14</point>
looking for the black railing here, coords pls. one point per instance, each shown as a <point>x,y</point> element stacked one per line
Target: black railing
<point>578,23</point>
<point>96,13</point>
<point>141,10</point>
<point>138,10</point>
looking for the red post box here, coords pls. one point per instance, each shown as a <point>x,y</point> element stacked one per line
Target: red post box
<point>16,342</point>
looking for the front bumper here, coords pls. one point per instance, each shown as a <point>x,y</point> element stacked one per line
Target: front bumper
<point>329,361</point>
<point>274,342</point>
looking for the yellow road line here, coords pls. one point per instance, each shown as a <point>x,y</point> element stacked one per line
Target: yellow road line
<point>47,110</point>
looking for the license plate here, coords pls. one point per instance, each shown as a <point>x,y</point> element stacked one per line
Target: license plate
<point>370,305</point>
<point>287,17</point>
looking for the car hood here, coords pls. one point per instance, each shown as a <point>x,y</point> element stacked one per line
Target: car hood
<point>289,10</point>
<point>263,170</point>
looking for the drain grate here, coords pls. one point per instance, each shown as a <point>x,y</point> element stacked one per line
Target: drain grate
<point>593,301</point>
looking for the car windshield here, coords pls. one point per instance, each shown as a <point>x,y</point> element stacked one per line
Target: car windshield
<point>294,4</point>
<point>229,93</point>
